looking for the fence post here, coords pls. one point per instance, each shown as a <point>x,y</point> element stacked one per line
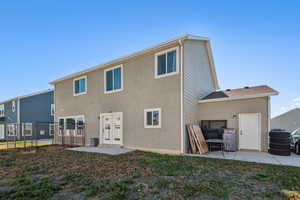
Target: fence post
<point>15,135</point>
<point>35,135</point>
<point>6,132</point>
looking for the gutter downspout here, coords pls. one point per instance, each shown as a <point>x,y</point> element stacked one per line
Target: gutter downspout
<point>181,99</point>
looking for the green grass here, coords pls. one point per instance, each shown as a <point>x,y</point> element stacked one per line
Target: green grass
<point>53,171</point>
<point>24,187</point>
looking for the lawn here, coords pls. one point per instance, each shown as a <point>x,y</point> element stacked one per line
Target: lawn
<point>56,173</point>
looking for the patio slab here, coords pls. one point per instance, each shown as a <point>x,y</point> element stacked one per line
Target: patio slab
<point>251,156</point>
<point>104,150</point>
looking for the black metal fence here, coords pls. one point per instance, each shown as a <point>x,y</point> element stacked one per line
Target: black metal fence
<point>30,136</point>
<point>25,135</point>
<point>70,133</point>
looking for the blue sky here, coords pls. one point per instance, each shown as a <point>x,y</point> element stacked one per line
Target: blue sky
<point>254,42</point>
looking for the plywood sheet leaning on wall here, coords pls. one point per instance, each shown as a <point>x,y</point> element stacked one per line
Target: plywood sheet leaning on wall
<point>200,138</point>
<point>197,140</point>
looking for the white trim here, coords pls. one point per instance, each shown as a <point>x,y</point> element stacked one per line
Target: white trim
<point>28,95</point>
<point>165,52</point>
<point>109,69</point>
<point>259,129</point>
<point>182,135</point>
<point>2,110</point>
<point>86,87</point>
<point>212,65</point>
<point>13,106</point>
<point>14,128</point>
<point>101,128</point>
<point>238,97</point>
<point>65,127</point>
<point>23,129</point>
<point>159,118</point>
<point>52,108</point>
<point>51,125</point>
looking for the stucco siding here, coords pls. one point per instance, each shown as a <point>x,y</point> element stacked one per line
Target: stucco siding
<point>230,110</point>
<point>288,121</point>
<point>141,91</point>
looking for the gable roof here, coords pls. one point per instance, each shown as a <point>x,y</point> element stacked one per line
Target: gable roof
<point>240,93</point>
<point>148,50</point>
<point>27,95</point>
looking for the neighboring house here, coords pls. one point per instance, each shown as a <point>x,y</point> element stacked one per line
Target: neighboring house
<point>289,120</point>
<point>29,116</point>
<point>145,100</point>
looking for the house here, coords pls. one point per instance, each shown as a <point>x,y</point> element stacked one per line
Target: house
<point>145,100</point>
<point>289,120</point>
<point>29,116</point>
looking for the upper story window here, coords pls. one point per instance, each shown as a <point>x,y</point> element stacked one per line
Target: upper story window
<point>80,86</point>
<point>52,109</point>
<point>152,118</point>
<point>13,106</point>
<point>2,110</point>
<point>166,63</point>
<point>113,79</point>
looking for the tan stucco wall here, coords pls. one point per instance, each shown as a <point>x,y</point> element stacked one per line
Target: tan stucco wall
<point>141,91</point>
<point>227,109</point>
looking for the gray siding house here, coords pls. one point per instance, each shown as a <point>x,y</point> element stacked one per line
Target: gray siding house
<point>28,116</point>
<point>145,100</point>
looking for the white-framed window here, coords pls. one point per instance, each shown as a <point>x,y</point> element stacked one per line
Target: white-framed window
<point>51,129</point>
<point>80,86</point>
<point>13,106</point>
<point>52,109</point>
<point>152,118</point>
<point>11,129</point>
<point>166,63</point>
<point>113,79</point>
<point>73,125</point>
<point>42,132</point>
<point>2,110</point>
<point>27,129</point>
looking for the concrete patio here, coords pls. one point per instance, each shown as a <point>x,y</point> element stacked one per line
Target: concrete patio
<point>110,150</point>
<point>258,157</point>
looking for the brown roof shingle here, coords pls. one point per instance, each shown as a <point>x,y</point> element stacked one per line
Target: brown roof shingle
<point>240,93</point>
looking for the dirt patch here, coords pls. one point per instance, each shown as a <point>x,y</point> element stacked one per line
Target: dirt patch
<point>138,175</point>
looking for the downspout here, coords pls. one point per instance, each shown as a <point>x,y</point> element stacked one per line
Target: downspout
<point>181,99</point>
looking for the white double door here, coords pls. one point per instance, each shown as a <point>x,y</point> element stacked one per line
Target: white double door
<point>2,136</point>
<point>112,128</point>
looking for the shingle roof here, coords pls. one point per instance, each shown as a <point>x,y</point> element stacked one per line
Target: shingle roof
<point>240,93</point>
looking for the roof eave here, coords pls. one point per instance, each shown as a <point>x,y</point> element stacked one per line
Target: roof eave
<point>238,98</point>
<point>28,95</point>
<point>139,53</point>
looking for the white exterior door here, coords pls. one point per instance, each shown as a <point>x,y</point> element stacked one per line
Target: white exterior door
<point>2,136</point>
<point>111,128</point>
<point>249,131</point>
